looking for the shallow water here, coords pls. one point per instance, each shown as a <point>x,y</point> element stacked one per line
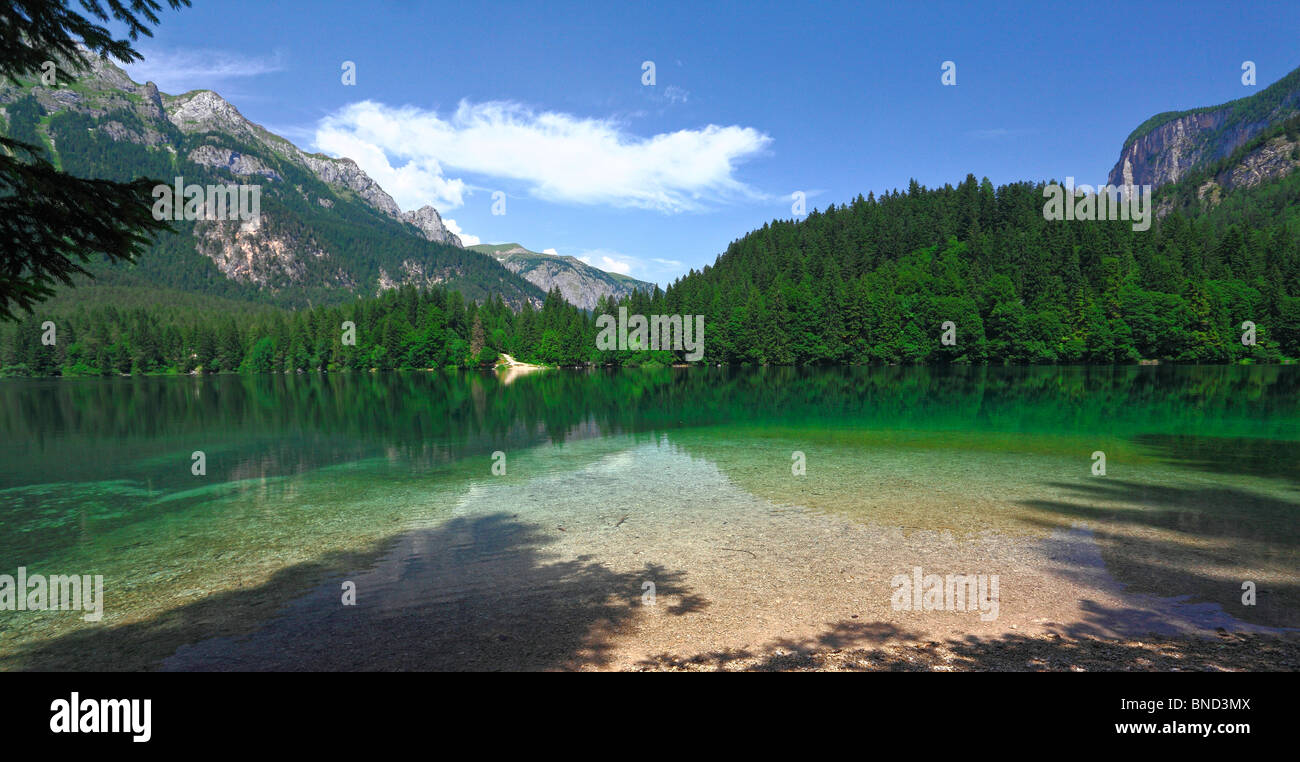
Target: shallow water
<point>680,478</point>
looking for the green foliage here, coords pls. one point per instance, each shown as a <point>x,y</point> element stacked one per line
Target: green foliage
<point>404,328</point>
<point>875,280</point>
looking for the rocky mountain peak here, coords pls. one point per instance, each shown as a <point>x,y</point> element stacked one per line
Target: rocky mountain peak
<point>103,69</point>
<point>206,111</point>
<point>429,222</point>
<point>579,283</point>
<point>153,104</point>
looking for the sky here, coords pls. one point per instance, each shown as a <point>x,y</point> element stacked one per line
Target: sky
<point>539,123</point>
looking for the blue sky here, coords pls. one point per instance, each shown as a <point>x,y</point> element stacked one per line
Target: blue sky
<point>545,103</point>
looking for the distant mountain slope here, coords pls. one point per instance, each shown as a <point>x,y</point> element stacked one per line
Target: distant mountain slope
<point>580,284</point>
<point>327,231</point>
<point>1166,147</point>
<point>1266,163</point>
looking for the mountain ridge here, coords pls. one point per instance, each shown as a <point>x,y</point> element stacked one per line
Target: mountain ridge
<point>580,284</point>
<point>327,230</point>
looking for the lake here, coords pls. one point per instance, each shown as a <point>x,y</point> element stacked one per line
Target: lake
<point>567,519</point>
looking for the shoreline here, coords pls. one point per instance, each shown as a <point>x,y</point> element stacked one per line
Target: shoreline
<point>1143,364</point>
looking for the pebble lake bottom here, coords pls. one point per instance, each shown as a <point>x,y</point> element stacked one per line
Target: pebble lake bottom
<point>651,519</point>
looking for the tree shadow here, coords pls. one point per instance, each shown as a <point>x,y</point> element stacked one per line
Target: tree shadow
<point>881,647</point>
<point>782,653</point>
<point>1201,543</point>
<point>476,593</point>
<point>1269,458</point>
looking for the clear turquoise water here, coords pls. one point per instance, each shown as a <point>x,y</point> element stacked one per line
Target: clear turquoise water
<point>312,477</point>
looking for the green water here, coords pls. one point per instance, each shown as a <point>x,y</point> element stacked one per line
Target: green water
<point>311,476</point>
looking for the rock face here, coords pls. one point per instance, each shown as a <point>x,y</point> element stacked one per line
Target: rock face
<point>1264,161</point>
<point>247,254</point>
<point>205,111</point>
<point>580,284</point>
<point>1277,158</point>
<point>1168,152</point>
<point>427,219</point>
<point>1167,146</point>
<point>232,161</point>
<point>346,173</point>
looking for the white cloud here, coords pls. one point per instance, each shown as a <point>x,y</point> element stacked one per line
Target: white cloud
<point>556,156</point>
<point>465,238</point>
<point>652,269</point>
<point>552,252</point>
<point>412,185</point>
<point>611,261</point>
<point>188,69</point>
<point>612,265</point>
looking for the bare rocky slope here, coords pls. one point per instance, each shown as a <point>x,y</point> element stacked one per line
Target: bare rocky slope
<point>580,284</point>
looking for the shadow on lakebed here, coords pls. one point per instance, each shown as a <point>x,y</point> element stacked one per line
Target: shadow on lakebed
<point>477,593</point>
<point>850,646</point>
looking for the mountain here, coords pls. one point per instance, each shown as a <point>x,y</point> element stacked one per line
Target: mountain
<point>326,232</point>
<point>1166,147</point>
<point>580,284</point>
<point>427,219</point>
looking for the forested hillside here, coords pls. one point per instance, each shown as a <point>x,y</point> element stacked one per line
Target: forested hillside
<point>405,328</point>
<point>873,280</point>
<point>867,282</point>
